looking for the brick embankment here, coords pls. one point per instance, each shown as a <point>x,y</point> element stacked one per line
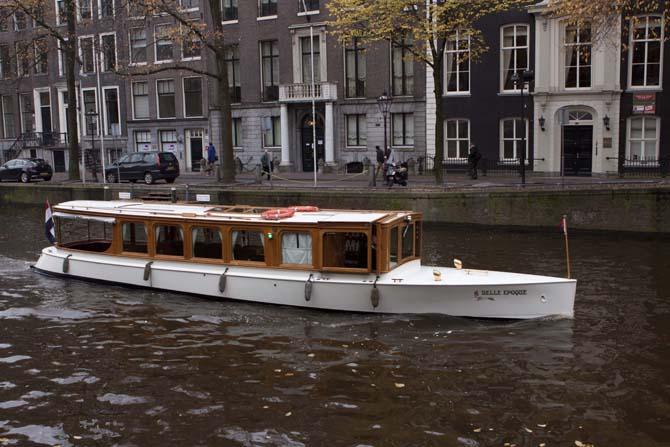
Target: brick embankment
<point>592,203</point>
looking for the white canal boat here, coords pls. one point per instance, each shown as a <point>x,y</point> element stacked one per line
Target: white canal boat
<point>361,261</point>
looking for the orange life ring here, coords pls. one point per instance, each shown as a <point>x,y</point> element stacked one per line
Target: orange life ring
<point>277,213</point>
<point>305,209</point>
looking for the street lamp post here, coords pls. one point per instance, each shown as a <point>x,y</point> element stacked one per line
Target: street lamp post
<point>92,119</point>
<point>384,104</point>
<point>520,81</point>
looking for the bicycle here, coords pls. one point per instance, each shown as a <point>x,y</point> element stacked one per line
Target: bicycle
<point>241,167</point>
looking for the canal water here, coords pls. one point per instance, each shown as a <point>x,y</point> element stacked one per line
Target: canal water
<point>89,365</point>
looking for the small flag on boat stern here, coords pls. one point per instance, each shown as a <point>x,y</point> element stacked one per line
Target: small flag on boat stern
<point>49,229</point>
<point>563,226</point>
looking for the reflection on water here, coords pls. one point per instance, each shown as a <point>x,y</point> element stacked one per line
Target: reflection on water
<point>84,364</point>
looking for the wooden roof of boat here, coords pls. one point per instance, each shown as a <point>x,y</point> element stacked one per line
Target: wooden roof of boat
<point>223,213</point>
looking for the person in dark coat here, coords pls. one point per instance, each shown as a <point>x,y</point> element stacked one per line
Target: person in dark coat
<point>380,160</point>
<point>211,158</point>
<point>473,160</point>
<point>266,163</point>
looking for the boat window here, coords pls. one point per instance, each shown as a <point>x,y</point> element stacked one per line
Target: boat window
<point>207,243</point>
<point>296,248</point>
<point>87,235</point>
<point>393,247</point>
<point>407,241</point>
<point>169,240</point>
<point>248,246</point>
<point>345,250</point>
<point>134,237</point>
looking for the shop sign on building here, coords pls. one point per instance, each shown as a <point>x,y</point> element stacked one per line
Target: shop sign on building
<point>644,104</point>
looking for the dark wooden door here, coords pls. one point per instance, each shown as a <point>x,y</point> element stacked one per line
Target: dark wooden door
<point>59,161</point>
<point>196,154</point>
<point>577,150</point>
<point>307,137</point>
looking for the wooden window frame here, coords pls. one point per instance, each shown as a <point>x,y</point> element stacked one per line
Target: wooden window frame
<point>184,237</point>
<point>339,229</point>
<point>119,232</point>
<point>267,252</point>
<point>315,252</point>
<point>189,255</point>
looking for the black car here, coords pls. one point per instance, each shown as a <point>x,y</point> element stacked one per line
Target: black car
<point>144,166</point>
<point>25,169</point>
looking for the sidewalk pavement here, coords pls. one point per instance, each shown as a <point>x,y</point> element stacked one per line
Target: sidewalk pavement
<point>357,182</point>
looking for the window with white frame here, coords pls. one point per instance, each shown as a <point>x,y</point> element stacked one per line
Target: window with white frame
<point>106,8</point>
<point>306,59</point>
<point>458,64</point>
<point>41,52</point>
<point>190,5</point>
<point>192,97</point>
<point>21,50</point>
<point>140,100</point>
<point>191,45</point>
<point>142,140</point>
<point>167,140</point>
<point>357,135</point>
<point>237,132</point>
<point>8,123</point>
<point>85,9</point>
<point>61,17</point>
<point>577,46</point>
<point>90,102</point>
<point>86,54</point>
<point>513,138</point>
<point>229,10</point>
<point>646,51</point>
<point>457,132</point>
<point>270,69</point>
<point>267,8</point>
<point>643,133</point>
<point>354,61</point>
<point>402,67</point>
<point>112,111</point>
<point>27,112</point>
<point>232,60</point>
<point>19,21</point>
<point>138,45</point>
<point>272,132</point>
<point>166,98</point>
<point>402,129</point>
<point>61,58</point>
<point>514,54</point>
<point>305,6</point>
<point>108,49</point>
<point>164,44</point>
<point>5,62</point>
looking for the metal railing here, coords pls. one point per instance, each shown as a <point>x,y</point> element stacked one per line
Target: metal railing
<point>485,166</point>
<point>33,140</point>
<point>643,167</point>
<point>323,91</point>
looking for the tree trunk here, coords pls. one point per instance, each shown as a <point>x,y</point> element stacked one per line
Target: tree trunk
<point>70,70</point>
<point>226,152</point>
<point>439,122</point>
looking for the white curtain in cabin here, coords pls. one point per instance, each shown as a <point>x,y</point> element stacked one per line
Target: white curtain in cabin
<point>296,248</point>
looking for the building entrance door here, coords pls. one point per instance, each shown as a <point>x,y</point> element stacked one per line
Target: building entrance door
<point>59,161</point>
<point>577,150</point>
<point>195,144</point>
<point>307,137</point>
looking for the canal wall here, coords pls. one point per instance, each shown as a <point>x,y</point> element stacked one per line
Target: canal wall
<point>630,209</point>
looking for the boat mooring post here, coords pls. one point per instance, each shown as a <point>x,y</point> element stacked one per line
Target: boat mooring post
<point>173,194</point>
<point>105,192</point>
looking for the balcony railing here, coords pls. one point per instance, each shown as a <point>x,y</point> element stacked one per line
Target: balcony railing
<point>323,91</point>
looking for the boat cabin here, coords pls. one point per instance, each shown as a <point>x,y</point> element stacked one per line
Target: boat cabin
<point>303,238</point>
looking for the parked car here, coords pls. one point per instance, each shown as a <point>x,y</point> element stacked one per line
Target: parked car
<point>144,166</point>
<point>25,169</point>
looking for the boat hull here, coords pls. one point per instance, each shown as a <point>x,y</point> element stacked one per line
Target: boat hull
<point>409,289</point>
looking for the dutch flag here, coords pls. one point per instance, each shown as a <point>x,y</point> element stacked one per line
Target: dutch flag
<point>49,230</point>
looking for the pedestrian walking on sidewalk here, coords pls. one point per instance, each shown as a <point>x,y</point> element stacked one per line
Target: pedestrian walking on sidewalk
<point>380,160</point>
<point>266,163</point>
<point>211,158</point>
<point>473,160</point>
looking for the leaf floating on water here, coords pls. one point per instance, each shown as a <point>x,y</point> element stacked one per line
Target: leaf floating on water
<point>289,374</point>
<point>528,430</point>
<point>277,370</point>
<point>542,425</point>
<point>400,385</point>
<point>288,414</point>
<point>477,430</point>
<point>310,355</point>
<point>542,445</point>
